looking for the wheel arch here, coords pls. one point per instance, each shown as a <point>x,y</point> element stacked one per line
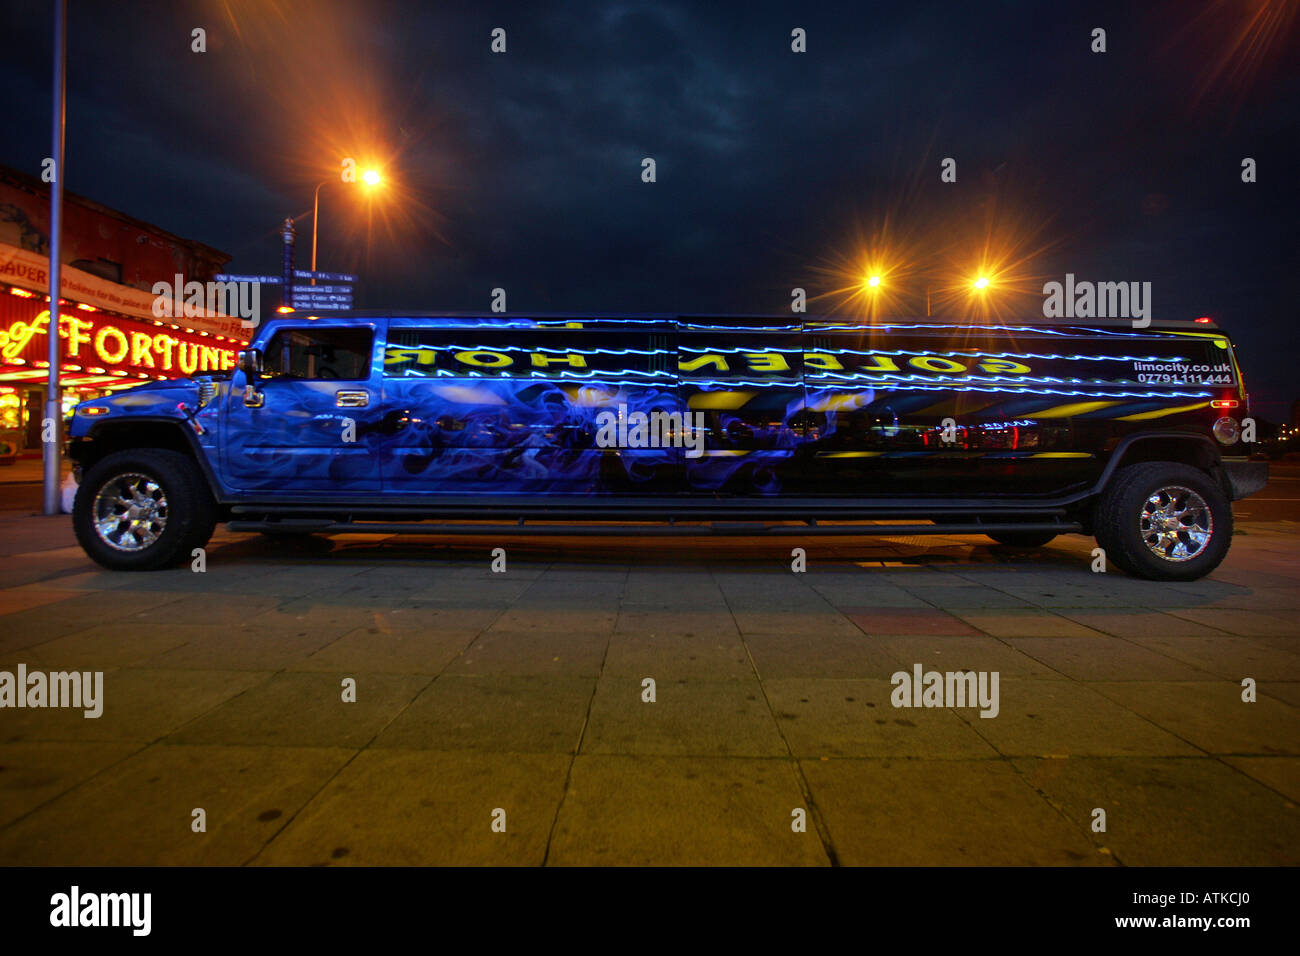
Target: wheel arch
<point>1184,448</point>
<point>106,438</point>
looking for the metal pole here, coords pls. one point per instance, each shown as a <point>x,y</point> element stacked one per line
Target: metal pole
<point>315,214</point>
<point>52,426</point>
<point>287,234</point>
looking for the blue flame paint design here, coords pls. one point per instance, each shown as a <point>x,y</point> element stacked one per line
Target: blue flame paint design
<point>534,431</point>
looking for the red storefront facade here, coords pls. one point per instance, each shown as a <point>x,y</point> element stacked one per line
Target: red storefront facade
<point>109,335</point>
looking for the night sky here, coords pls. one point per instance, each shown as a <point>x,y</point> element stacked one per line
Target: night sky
<point>775,169</point>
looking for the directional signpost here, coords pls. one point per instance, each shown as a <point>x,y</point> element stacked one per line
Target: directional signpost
<point>325,276</point>
<point>229,277</point>
<point>334,295</point>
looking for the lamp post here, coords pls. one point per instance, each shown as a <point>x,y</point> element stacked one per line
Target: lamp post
<point>52,430</point>
<point>370,178</point>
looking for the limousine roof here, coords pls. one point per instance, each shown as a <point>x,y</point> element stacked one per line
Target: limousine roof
<point>775,322</point>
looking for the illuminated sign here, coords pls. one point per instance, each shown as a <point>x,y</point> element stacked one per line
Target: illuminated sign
<point>114,343</point>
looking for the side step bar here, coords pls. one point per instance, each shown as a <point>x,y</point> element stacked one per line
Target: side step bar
<point>722,528</point>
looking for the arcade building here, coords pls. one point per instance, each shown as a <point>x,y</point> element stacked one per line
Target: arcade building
<point>109,336</point>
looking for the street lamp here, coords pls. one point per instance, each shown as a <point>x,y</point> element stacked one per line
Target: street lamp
<point>371,178</point>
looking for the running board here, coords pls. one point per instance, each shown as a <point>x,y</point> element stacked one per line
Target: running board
<point>723,528</point>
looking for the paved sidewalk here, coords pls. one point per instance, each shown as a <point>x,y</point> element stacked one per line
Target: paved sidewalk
<point>518,696</point>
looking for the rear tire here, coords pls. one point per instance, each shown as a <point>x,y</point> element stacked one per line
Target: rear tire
<point>143,509</point>
<point>1022,539</point>
<point>1164,521</point>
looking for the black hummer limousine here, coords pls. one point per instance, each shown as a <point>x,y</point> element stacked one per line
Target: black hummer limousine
<point>409,423</point>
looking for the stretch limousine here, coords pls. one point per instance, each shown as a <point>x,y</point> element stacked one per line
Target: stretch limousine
<point>739,424</point>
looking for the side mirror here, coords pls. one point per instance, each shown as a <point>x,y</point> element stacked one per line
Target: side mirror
<point>250,362</point>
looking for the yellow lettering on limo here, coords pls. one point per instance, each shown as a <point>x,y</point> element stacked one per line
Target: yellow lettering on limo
<point>879,363</point>
<point>767,362</point>
<point>690,365</point>
<point>1005,366</point>
<point>823,361</point>
<point>394,355</point>
<point>932,363</point>
<point>572,359</point>
<point>485,359</point>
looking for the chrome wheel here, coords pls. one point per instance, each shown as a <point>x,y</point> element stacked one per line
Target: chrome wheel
<point>1176,523</point>
<point>130,512</point>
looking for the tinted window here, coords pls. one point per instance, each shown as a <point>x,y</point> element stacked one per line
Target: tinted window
<point>634,356</point>
<point>319,353</point>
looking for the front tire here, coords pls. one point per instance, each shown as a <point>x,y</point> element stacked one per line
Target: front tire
<point>142,510</point>
<point>1164,521</point>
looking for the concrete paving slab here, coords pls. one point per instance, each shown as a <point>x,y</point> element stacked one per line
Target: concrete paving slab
<point>778,656</point>
<point>1172,812</point>
<point>545,652</point>
<point>1280,774</point>
<point>1212,715</point>
<point>427,808</point>
<point>1230,657</point>
<point>252,649</point>
<point>246,793</point>
<point>1126,622</point>
<point>674,656</point>
<point>368,650</point>
<point>139,705</point>
<point>110,645</point>
<point>1013,622</point>
<point>812,623</point>
<point>688,718</point>
<point>860,593</point>
<point>1053,718</point>
<point>634,811</point>
<point>35,773</point>
<point>855,718</point>
<point>75,613</point>
<point>305,710</point>
<point>908,621</point>
<point>494,714</point>
<point>562,618</point>
<point>1288,691</point>
<point>1104,658</point>
<point>682,622</point>
<point>1243,623</point>
<point>967,654</point>
<point>942,813</point>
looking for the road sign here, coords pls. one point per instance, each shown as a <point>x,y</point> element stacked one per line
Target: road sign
<point>325,276</point>
<point>323,289</point>
<point>322,301</point>
<point>227,277</point>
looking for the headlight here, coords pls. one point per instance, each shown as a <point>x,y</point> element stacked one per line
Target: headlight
<point>1226,430</point>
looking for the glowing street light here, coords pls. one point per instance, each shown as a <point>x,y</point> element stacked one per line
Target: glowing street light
<point>371,178</point>
<point>981,283</point>
<point>874,282</point>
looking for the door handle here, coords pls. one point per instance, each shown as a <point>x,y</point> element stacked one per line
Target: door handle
<point>352,398</point>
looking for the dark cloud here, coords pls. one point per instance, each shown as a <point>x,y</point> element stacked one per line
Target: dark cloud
<point>523,170</point>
